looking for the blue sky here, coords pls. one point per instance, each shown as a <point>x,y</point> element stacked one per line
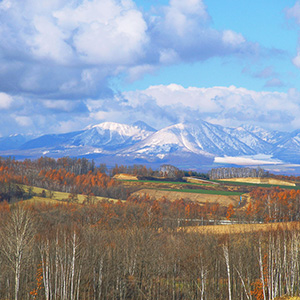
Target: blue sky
<point>67,64</point>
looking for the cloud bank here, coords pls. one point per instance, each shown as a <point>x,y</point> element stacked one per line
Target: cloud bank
<point>57,58</point>
<point>69,49</point>
<point>159,106</point>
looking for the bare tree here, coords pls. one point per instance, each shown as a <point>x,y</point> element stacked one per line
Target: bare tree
<point>16,237</point>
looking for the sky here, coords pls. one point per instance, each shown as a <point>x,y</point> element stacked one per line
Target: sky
<point>67,64</point>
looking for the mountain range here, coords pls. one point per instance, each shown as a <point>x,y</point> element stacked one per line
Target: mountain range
<point>183,144</point>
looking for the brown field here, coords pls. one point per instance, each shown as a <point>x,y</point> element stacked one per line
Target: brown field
<point>261,181</point>
<point>242,228</point>
<point>201,198</point>
<point>125,177</point>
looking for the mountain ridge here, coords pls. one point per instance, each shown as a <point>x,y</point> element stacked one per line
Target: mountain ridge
<point>200,141</point>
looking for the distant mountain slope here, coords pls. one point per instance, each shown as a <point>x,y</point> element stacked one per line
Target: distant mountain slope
<point>108,135</point>
<point>202,139</point>
<point>271,137</point>
<point>13,141</point>
<point>187,143</point>
<point>251,139</point>
<point>288,149</point>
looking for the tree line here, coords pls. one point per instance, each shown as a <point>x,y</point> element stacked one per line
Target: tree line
<point>234,172</point>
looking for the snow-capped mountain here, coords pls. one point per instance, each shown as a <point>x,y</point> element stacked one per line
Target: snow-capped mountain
<point>108,136</point>
<point>202,139</point>
<point>288,149</point>
<point>271,137</point>
<point>185,143</point>
<point>256,142</point>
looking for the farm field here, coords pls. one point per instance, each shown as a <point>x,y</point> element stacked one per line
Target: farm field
<point>196,191</point>
<point>201,196</point>
<point>287,298</point>
<point>222,192</point>
<point>242,228</point>
<point>58,197</point>
<point>259,182</point>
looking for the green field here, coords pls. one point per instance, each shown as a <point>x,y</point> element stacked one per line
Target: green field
<point>166,182</point>
<point>199,191</point>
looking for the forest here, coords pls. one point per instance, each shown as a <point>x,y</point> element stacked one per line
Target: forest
<point>138,247</point>
<point>120,252</point>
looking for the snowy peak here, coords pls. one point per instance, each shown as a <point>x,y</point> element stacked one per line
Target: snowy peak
<point>202,138</point>
<point>109,134</point>
<point>143,126</point>
<point>198,141</point>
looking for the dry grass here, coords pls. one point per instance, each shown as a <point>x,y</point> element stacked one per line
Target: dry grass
<point>201,198</point>
<point>59,197</point>
<point>242,228</point>
<point>125,177</point>
<point>197,180</point>
<point>287,298</point>
<point>261,181</point>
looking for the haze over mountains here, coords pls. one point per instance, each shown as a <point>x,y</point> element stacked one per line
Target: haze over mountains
<point>183,144</point>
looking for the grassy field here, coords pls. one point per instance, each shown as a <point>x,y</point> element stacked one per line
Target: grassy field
<point>199,191</point>
<point>195,197</point>
<point>167,182</point>
<point>262,180</point>
<point>266,185</point>
<point>287,298</point>
<point>194,191</point>
<point>241,228</point>
<point>59,197</point>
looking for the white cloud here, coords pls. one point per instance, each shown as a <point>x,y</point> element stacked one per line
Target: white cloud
<point>24,121</point>
<point>50,41</point>
<point>61,48</point>
<point>185,16</point>
<point>232,38</point>
<point>5,101</point>
<point>296,60</point>
<point>107,32</point>
<point>230,106</point>
<point>137,72</point>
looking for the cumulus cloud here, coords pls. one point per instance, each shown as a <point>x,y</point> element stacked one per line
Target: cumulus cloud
<point>57,58</point>
<point>5,101</point>
<point>159,106</point>
<point>230,106</point>
<point>70,49</point>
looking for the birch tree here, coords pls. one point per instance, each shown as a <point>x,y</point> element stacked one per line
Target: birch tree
<point>17,234</point>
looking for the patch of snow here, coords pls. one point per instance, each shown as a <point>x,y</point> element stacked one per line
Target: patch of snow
<point>248,161</point>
